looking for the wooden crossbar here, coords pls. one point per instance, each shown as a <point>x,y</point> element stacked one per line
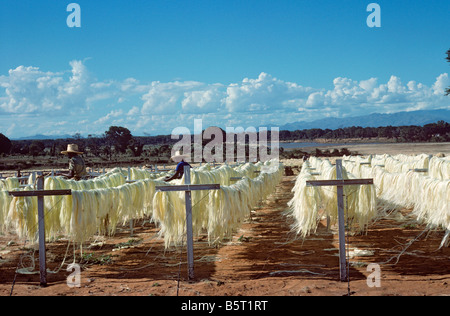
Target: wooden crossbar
<point>320,183</point>
<point>419,170</point>
<point>40,192</point>
<point>188,187</point>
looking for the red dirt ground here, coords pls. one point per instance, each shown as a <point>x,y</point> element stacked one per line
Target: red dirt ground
<point>262,259</point>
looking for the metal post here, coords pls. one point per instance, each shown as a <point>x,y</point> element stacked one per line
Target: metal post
<point>131,222</point>
<point>41,219</point>
<point>341,223</point>
<point>189,233</point>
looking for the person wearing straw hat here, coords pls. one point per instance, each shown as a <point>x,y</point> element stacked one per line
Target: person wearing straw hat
<point>77,167</point>
<point>179,170</point>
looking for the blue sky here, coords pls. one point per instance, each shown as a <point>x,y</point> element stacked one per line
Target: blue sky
<point>157,64</point>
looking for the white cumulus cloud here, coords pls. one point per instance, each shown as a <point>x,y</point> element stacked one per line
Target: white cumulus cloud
<point>47,98</point>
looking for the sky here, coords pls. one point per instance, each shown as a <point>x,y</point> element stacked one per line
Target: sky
<point>154,65</point>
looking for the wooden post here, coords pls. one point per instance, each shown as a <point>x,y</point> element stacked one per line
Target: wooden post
<point>41,220</point>
<point>40,193</point>
<point>341,223</point>
<point>131,221</point>
<point>189,233</point>
<point>188,187</point>
<point>340,183</point>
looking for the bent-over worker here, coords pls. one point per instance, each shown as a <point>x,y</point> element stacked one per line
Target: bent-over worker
<point>179,170</point>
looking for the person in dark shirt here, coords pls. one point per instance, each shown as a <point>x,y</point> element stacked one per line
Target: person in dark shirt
<point>77,167</point>
<point>179,170</point>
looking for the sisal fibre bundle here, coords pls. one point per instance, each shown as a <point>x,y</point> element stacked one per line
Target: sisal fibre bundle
<point>360,201</point>
<point>89,210</point>
<point>329,194</point>
<point>352,167</point>
<point>428,196</point>
<point>9,184</point>
<point>394,165</point>
<point>439,168</point>
<point>216,212</point>
<point>112,180</point>
<point>314,162</point>
<point>305,205</point>
<point>247,170</point>
<point>83,220</point>
<point>204,167</point>
<point>399,187</point>
<point>5,201</point>
<point>366,206</point>
<point>228,209</point>
<point>230,205</point>
<point>403,163</point>
<point>309,204</point>
<point>59,209</point>
<point>432,206</point>
<point>379,160</point>
<point>169,207</point>
<point>413,158</point>
<point>101,210</point>
<point>22,216</point>
<point>98,205</point>
<point>305,171</point>
<point>142,174</point>
<point>393,188</point>
<point>58,206</point>
<point>170,216</point>
<point>201,199</point>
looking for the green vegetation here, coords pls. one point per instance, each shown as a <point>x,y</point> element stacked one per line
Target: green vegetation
<point>435,132</point>
<point>130,243</point>
<point>117,147</point>
<point>91,258</point>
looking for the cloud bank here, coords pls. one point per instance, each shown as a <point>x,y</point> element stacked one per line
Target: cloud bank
<point>34,101</point>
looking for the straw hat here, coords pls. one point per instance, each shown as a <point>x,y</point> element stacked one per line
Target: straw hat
<point>71,148</point>
<point>178,156</point>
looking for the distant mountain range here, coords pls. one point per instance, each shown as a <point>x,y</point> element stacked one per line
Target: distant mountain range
<point>40,136</point>
<point>419,118</point>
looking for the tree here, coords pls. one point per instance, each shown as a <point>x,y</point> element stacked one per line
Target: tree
<point>119,137</point>
<point>36,148</point>
<point>93,143</point>
<point>5,144</point>
<point>136,147</point>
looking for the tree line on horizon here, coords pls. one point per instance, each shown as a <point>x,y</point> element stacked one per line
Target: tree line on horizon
<point>119,140</point>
